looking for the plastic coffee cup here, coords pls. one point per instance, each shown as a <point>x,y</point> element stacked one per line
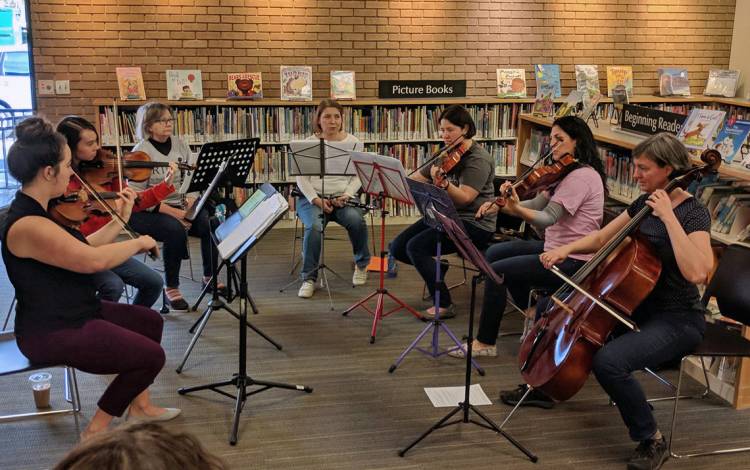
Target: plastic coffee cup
<point>41,383</point>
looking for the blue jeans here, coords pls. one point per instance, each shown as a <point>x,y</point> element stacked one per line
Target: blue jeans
<point>132,272</point>
<point>350,218</point>
<point>662,338</point>
<point>517,262</point>
<point>417,246</point>
<point>172,233</point>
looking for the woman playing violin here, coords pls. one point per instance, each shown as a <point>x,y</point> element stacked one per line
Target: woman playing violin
<point>570,210</point>
<point>83,141</point>
<point>165,222</point>
<point>59,319</point>
<point>671,319</point>
<point>469,185</point>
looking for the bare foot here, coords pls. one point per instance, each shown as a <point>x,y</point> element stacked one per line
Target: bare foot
<point>88,433</point>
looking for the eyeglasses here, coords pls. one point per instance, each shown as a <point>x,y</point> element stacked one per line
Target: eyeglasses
<point>165,121</point>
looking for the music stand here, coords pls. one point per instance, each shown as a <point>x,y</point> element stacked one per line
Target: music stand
<point>312,158</point>
<point>235,248</point>
<point>239,156</point>
<point>222,233</point>
<point>467,249</point>
<point>382,177</point>
<point>430,201</point>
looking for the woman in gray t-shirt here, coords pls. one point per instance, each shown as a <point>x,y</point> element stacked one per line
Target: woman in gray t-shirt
<point>469,185</point>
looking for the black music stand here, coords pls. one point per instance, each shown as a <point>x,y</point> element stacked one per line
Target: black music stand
<point>239,156</point>
<point>467,249</point>
<point>381,177</point>
<point>247,233</point>
<point>216,302</point>
<point>312,158</point>
<point>430,201</point>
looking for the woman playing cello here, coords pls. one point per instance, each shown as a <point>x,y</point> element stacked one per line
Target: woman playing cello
<point>572,209</point>
<point>671,319</point>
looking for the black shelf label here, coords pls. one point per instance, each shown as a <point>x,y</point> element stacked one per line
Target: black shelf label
<point>422,89</point>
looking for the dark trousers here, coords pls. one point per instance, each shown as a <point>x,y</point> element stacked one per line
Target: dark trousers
<point>172,234</point>
<point>662,338</point>
<point>417,246</point>
<point>517,262</point>
<point>124,341</point>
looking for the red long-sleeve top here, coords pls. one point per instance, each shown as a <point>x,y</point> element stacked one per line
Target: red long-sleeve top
<point>146,199</point>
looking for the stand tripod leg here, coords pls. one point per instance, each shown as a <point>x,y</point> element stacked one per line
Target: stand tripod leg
<point>434,427</point>
<point>410,347</point>
<point>498,429</point>
<point>194,339</point>
<point>458,343</point>
<point>238,405</point>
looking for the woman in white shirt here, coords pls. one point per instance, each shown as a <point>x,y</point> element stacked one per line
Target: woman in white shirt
<point>316,209</point>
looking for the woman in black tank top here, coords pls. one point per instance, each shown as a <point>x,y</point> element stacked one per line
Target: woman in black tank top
<point>59,319</point>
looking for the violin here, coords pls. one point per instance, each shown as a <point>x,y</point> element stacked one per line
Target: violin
<point>74,207</point>
<point>539,179</point>
<point>556,357</point>
<point>135,166</point>
<point>448,157</point>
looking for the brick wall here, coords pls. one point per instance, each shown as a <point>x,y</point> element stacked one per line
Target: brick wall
<point>85,40</point>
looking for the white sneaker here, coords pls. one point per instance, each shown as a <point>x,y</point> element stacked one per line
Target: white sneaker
<point>359,278</point>
<point>306,290</point>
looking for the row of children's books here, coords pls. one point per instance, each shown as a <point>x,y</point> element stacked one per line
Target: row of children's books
<point>295,84</point>
<point>278,124</point>
<point>673,81</point>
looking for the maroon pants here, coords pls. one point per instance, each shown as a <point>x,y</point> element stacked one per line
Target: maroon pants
<point>124,341</point>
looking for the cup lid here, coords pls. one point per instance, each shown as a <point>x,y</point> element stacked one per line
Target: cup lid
<point>40,377</point>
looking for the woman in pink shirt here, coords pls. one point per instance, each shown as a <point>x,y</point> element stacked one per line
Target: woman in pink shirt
<point>571,209</point>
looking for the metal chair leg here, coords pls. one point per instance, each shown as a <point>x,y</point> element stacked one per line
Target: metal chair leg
<point>674,454</point>
<point>10,310</point>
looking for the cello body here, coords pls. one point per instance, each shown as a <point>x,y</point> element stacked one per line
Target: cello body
<point>556,356</point>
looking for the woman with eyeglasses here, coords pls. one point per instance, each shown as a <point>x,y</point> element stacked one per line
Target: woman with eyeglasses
<point>166,222</point>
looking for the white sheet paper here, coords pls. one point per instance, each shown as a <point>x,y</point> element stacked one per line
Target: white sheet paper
<point>253,225</point>
<point>451,396</point>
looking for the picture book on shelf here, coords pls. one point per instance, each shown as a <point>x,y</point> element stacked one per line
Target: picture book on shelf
<point>698,130</point>
<point>620,75</point>
<point>730,140</point>
<point>343,85</point>
<point>619,95</point>
<point>244,86</point>
<point>587,79</point>
<point>568,107</point>
<point>511,83</point>
<point>547,80</point>
<point>673,82</point>
<point>296,83</point>
<point>130,83</point>
<point>184,85</point>
<point>722,83</point>
<point>543,105</point>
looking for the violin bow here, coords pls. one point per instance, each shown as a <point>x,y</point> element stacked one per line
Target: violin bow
<point>118,148</point>
<point>115,216</point>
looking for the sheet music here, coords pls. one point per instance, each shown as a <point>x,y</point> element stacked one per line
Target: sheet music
<point>452,396</point>
<point>253,225</point>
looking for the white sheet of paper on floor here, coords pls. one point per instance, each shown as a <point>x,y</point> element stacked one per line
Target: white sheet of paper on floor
<point>451,396</point>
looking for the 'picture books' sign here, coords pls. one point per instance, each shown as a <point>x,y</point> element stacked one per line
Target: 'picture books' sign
<point>650,121</point>
<point>422,89</point>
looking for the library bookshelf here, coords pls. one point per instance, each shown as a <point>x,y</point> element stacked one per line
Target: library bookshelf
<point>731,385</point>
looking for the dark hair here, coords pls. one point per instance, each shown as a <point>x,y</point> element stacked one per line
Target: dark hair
<point>327,103</point>
<point>37,145</point>
<point>586,151</point>
<point>141,446</point>
<point>71,127</point>
<point>459,116</point>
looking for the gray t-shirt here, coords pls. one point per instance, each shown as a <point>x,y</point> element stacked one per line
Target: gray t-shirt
<point>476,169</point>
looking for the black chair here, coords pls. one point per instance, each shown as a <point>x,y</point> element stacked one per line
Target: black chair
<point>730,287</point>
<point>12,361</point>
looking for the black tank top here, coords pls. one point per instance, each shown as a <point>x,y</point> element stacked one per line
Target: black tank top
<point>49,298</point>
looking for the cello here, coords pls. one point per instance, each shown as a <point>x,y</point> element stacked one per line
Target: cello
<point>557,355</point>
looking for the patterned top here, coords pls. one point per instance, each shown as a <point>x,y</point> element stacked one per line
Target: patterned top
<point>673,293</point>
